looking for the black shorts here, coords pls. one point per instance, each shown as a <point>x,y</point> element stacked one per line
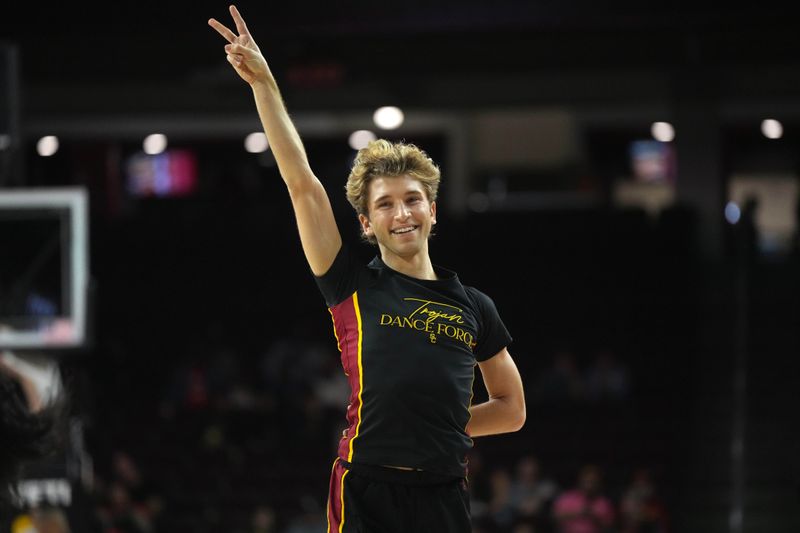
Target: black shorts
<point>374,499</point>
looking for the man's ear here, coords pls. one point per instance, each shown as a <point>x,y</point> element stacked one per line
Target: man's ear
<point>433,212</point>
<point>365,225</point>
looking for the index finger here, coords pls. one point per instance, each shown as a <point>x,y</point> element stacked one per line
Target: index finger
<point>241,27</point>
<point>222,30</point>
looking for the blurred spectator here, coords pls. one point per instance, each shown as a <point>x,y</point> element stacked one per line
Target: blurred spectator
<point>332,391</point>
<point>128,503</point>
<point>144,497</point>
<point>263,520</point>
<point>225,381</point>
<point>290,366</point>
<point>117,514</point>
<point>312,518</point>
<point>642,509</point>
<point>187,390</point>
<point>501,509</point>
<point>33,416</point>
<point>584,509</point>
<point>49,520</point>
<point>196,392</point>
<point>331,388</point>
<point>607,379</point>
<point>480,489</point>
<point>531,495</point>
<point>561,383</point>
<point>126,472</point>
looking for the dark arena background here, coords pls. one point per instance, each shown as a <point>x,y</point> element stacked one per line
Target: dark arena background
<point>623,182</point>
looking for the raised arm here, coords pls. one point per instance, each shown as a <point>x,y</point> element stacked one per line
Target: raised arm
<point>319,233</point>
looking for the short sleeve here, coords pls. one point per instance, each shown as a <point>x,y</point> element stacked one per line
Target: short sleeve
<point>492,334</point>
<point>341,279</point>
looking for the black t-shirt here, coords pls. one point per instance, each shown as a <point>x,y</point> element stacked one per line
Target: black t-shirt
<point>409,349</point>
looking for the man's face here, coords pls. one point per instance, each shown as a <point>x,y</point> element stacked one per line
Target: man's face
<point>400,215</point>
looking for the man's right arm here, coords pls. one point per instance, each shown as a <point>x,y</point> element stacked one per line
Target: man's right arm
<point>319,233</point>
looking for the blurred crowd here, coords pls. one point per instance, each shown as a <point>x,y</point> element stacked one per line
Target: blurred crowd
<point>201,455</point>
<point>519,499</point>
<point>523,500</point>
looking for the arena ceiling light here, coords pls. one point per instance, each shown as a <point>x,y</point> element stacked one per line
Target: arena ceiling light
<point>256,142</point>
<point>662,131</point>
<point>47,145</point>
<point>388,117</point>
<point>154,144</point>
<point>771,128</point>
<point>360,139</point>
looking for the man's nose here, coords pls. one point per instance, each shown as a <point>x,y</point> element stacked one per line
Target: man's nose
<point>402,211</point>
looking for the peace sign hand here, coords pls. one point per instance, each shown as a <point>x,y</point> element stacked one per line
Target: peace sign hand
<point>242,51</point>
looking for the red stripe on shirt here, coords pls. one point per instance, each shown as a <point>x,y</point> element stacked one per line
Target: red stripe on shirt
<point>348,331</point>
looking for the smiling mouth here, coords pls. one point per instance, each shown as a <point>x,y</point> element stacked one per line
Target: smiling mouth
<point>403,231</point>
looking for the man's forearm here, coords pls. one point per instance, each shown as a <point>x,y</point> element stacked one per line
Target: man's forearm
<point>498,415</point>
<point>284,141</point>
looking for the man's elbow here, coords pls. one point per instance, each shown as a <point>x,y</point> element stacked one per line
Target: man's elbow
<point>519,416</point>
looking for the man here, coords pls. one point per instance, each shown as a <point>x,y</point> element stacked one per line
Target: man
<point>409,332</point>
